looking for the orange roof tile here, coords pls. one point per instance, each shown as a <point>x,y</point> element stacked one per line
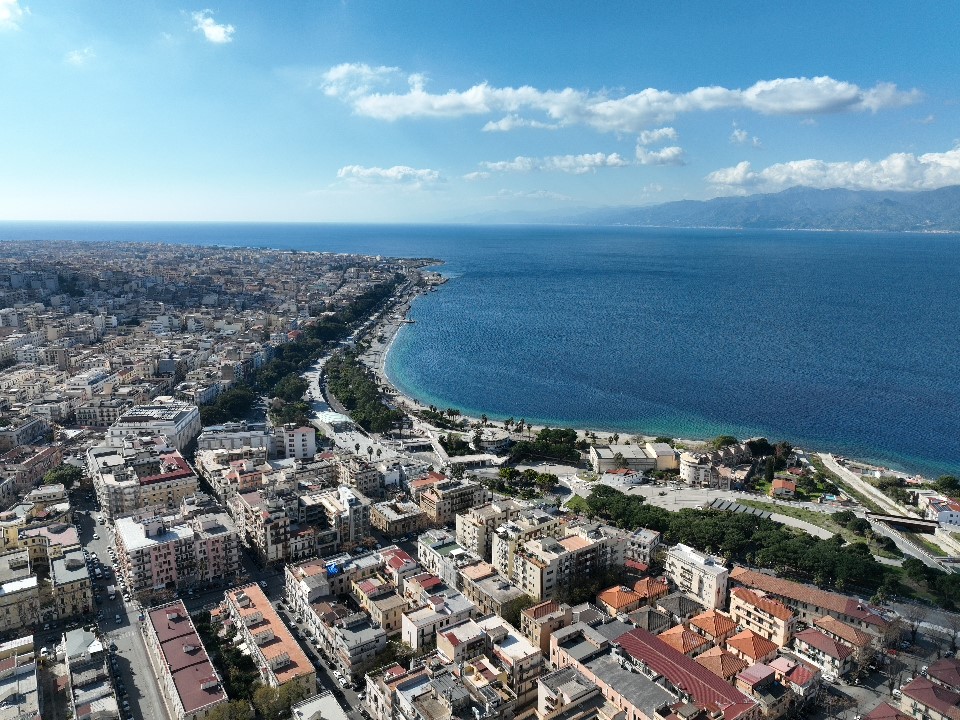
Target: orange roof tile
<point>760,601</point>
<point>713,623</point>
<point>618,597</point>
<point>722,662</point>
<point>683,640</point>
<point>651,588</point>
<point>751,644</point>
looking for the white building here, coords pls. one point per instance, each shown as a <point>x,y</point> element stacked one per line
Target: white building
<point>178,421</point>
<point>702,577</point>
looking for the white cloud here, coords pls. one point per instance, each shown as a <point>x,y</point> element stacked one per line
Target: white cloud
<point>739,136</point>
<point>575,164</point>
<point>630,113</point>
<point>79,58</point>
<point>672,155</point>
<point>899,171</point>
<point>655,137</point>
<point>928,120</point>
<point>474,176</point>
<point>512,122</point>
<point>10,14</point>
<point>213,31</point>
<point>398,174</point>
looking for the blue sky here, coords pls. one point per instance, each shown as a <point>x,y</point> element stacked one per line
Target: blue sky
<point>437,111</point>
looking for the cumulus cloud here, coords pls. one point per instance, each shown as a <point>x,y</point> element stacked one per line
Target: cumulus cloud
<point>398,174</point>
<point>655,137</point>
<point>739,136</point>
<point>11,14</point>
<point>213,31</point>
<point>575,164</point>
<point>353,82</point>
<point>672,155</point>
<point>474,176</point>
<point>899,171</point>
<point>79,58</point>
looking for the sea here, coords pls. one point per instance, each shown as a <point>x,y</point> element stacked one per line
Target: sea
<point>840,341</point>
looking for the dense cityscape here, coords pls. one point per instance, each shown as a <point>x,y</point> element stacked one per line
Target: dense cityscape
<point>216,506</point>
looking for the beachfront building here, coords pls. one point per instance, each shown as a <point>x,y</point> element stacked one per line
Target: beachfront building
<point>277,655</point>
<point>190,684</point>
<point>696,470</point>
<point>642,458</point>
<point>703,577</point>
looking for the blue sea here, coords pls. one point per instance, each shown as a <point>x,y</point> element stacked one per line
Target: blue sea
<point>848,342</point>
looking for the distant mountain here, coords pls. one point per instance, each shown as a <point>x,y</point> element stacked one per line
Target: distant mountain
<point>798,208</point>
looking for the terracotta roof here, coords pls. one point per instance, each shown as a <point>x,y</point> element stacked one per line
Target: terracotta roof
<point>926,692</point>
<point>883,711</point>
<point>801,675</point>
<point>824,643</point>
<point>784,484</point>
<point>651,588</point>
<point>721,663</point>
<point>683,640</point>
<point>848,633</point>
<point>840,604</point>
<point>760,601</point>
<point>706,689</point>
<point>618,597</point>
<point>751,644</point>
<point>946,672</point>
<point>545,608</point>
<point>713,623</point>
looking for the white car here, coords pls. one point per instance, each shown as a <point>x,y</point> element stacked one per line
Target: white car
<point>96,537</point>
<point>343,682</point>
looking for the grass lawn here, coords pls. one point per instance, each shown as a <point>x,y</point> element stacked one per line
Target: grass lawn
<point>930,546</point>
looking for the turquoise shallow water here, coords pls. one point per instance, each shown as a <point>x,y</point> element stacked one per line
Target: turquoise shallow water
<point>840,341</point>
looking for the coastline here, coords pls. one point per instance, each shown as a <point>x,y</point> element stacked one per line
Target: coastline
<point>389,327</point>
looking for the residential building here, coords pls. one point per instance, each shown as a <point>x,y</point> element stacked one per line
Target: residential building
<point>291,441</point>
<point>263,524</point>
<point>722,663</point>
<point>431,615</point>
<point>945,673</point>
<point>696,470</point>
<point>361,475</point>
<point>641,545</point>
<point>762,614</point>
<point>142,474</point>
<point>397,518</point>
<point>751,647</point>
<point>830,655</point>
<point>520,659</point>
<point>863,644</point>
<point>476,527</point>
<point>276,654</point>
<point>190,684</point>
<point>72,589</point>
<point>355,643</point>
<point>684,641</point>
<point>89,689</point>
<point>760,682</point>
<point>156,552</point>
<point>179,422</point>
<point>508,536</point>
<point>618,600</point>
<point>810,603</point>
<point>19,591</point>
<point>18,686</point>
<point>714,626</point>
<point>236,436</point>
<point>651,589</point>
<point>322,706</point>
<point>701,576</point>
<point>539,622</point>
<point>783,488</point>
<point>547,565</point>
<point>444,500</point>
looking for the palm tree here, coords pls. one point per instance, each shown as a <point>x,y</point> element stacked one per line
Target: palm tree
<point>379,453</point>
<point>356,447</point>
<point>483,419</point>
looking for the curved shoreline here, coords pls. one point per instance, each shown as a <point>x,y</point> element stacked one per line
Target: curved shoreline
<point>406,401</point>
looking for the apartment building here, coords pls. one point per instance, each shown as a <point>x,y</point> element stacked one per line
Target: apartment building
<point>236,436</point>
<point>19,683</point>
<point>293,441</point>
<point>703,577</point>
<point>232,470</point>
<point>762,614</point>
<point>26,465</point>
<point>476,527</point>
<point>19,591</point>
<point>361,475</point>
<point>263,524</point>
<point>433,614</point>
<point>101,412</point>
<point>89,689</point>
<point>444,500</point>
<point>539,622</point>
<point>178,421</point>
<point>158,551</point>
<point>544,566</point>
<point>397,518</point>
<point>527,524</point>
<point>277,655</point>
<point>355,642</point>
<point>188,680</point>
<point>520,659</point>
<point>72,589</point>
<point>141,474</point>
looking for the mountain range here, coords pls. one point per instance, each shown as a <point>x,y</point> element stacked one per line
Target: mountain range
<point>799,208</point>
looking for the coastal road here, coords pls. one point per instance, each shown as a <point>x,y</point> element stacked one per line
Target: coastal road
<point>858,484</point>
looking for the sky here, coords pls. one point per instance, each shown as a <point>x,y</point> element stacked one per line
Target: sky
<point>435,111</point>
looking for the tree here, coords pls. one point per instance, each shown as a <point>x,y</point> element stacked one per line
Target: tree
<point>483,420</point>
<point>663,439</point>
<point>722,441</point>
<point>619,461</point>
<point>947,484</point>
<point>457,471</point>
<point>64,474</point>
<point>914,616</point>
<point>769,469</point>
<point>233,710</point>
<point>273,703</point>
